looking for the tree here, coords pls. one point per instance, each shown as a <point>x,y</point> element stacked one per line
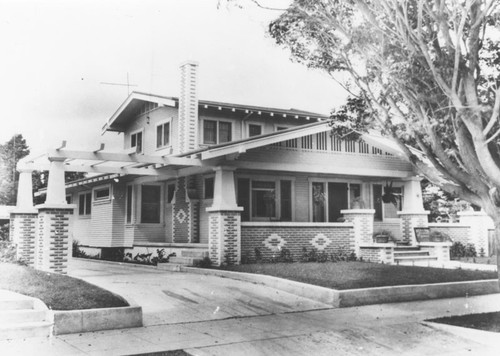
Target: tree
<point>10,153</point>
<point>428,72</point>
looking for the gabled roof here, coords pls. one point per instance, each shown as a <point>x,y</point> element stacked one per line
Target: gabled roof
<point>130,106</point>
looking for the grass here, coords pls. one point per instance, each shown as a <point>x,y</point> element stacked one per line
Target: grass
<point>58,292</point>
<point>483,321</point>
<point>354,275</point>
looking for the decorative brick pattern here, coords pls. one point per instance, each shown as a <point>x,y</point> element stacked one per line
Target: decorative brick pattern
<point>181,213</point>
<point>295,236</point>
<point>53,240</point>
<point>409,221</point>
<point>321,242</point>
<point>224,240</point>
<point>23,229</point>
<point>274,242</point>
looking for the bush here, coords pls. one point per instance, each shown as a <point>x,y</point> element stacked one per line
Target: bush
<point>459,250</point>
<point>258,255</point>
<point>470,250</point>
<point>4,232</point>
<point>204,263</point>
<point>286,255</point>
<point>8,252</point>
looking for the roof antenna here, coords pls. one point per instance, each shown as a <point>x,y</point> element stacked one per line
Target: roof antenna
<point>128,85</point>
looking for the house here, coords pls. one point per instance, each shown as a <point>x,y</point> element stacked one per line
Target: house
<point>211,178</point>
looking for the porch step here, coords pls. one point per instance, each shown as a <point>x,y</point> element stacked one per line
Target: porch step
<point>196,253</point>
<point>410,253</point>
<point>23,317</point>
<point>184,261</point>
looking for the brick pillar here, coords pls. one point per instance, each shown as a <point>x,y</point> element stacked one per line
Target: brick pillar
<point>409,220</point>
<point>224,238</point>
<point>23,234</point>
<point>479,223</point>
<point>363,226</point>
<point>53,243</point>
<point>181,213</point>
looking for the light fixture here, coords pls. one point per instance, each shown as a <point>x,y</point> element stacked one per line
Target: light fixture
<point>147,120</point>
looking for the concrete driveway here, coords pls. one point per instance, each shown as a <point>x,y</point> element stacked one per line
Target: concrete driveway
<point>174,297</point>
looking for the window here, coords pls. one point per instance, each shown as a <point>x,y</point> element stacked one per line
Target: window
<point>136,141</point>
<point>209,188</point>
<point>151,204</point>
<point>170,193</point>
<point>215,132</point>
<point>69,199</point>
<point>254,130</point>
<point>163,135</point>
<point>102,193</point>
<point>329,198</point>
<point>84,203</point>
<point>265,199</point>
<point>130,204</point>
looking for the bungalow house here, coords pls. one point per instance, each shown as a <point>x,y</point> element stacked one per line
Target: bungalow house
<point>204,178</point>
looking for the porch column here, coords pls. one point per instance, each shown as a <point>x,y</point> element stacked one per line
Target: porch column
<point>53,243</point>
<point>23,219</point>
<point>224,239</point>
<point>362,219</point>
<point>413,214</point>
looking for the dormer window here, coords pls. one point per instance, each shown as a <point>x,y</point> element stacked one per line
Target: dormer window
<point>215,132</point>
<point>254,130</point>
<point>136,141</point>
<point>163,135</point>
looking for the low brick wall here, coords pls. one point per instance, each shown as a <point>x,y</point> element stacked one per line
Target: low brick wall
<point>456,231</point>
<point>270,237</point>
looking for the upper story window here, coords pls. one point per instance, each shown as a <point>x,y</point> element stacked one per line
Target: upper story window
<point>163,135</point>
<point>85,203</point>
<point>215,132</point>
<point>254,130</point>
<point>136,141</point>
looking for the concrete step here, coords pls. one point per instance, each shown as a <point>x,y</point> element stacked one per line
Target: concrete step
<point>185,261</point>
<point>25,330</point>
<point>406,248</point>
<point>197,253</point>
<point>410,254</point>
<point>16,304</point>
<point>414,260</point>
<point>22,316</point>
<point>174,267</point>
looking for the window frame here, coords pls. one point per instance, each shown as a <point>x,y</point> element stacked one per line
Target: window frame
<point>162,124</point>
<point>217,131</point>
<point>161,206</point>
<point>135,133</point>
<point>205,178</point>
<point>398,185</point>
<point>277,199</point>
<point>325,182</point>
<point>254,124</point>
<point>129,203</point>
<point>101,188</point>
<point>87,204</point>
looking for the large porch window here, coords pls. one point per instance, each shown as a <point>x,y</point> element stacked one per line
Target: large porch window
<point>151,204</point>
<point>329,198</point>
<point>384,210</point>
<point>265,199</point>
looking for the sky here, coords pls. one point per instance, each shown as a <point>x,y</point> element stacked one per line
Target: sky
<point>56,55</point>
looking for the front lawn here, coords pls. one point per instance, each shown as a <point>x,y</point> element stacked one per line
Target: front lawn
<point>58,292</point>
<point>483,321</point>
<point>353,275</point>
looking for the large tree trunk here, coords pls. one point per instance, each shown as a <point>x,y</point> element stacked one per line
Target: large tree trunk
<point>497,246</point>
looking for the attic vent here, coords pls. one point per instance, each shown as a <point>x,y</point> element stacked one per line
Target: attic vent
<point>147,107</point>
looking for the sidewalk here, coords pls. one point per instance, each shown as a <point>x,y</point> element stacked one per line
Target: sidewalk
<point>386,329</point>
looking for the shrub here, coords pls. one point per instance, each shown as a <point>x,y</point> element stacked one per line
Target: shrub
<point>322,256</point>
<point>304,257</point>
<point>457,250</point>
<point>258,255</point>
<point>470,250</point>
<point>286,255</point>
<point>204,263</point>
<point>77,252</point>
<point>4,232</point>
<point>8,252</point>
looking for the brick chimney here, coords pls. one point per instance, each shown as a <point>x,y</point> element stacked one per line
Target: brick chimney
<point>188,107</point>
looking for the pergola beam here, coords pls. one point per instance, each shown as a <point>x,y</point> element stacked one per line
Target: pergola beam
<point>96,169</point>
<point>120,157</point>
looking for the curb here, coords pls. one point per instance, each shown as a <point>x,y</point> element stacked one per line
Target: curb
<point>86,320</point>
<point>357,297</point>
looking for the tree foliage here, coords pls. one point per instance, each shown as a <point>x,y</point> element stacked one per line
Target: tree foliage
<point>10,153</point>
<point>428,72</point>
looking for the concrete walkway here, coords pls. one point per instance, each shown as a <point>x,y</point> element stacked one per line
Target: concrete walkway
<point>386,329</point>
